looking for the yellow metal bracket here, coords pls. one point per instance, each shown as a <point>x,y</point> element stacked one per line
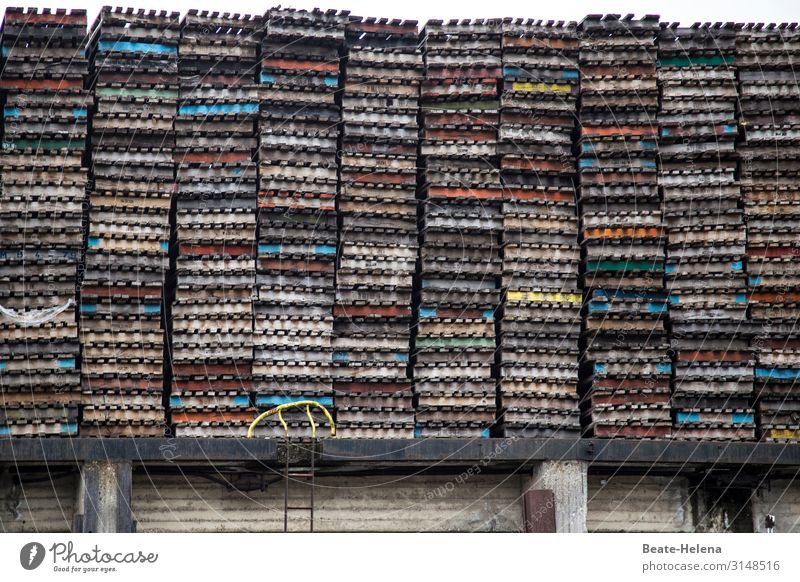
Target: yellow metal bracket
<point>279,411</point>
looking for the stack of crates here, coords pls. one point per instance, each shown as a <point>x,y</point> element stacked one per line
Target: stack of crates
<point>214,250</point>
<point>713,366</point>
<point>41,213</point>
<point>769,171</point>
<point>134,66</point>
<point>541,320</point>
<point>378,230</point>
<point>460,229</point>
<point>297,228</point>
<point>625,364</point>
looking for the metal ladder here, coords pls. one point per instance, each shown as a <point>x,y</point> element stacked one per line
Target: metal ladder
<point>288,475</point>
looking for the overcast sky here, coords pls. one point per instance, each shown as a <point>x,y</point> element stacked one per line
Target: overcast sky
<point>684,11</point>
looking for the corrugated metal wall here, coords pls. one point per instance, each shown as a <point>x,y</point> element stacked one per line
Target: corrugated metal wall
<point>638,504</point>
<point>781,498</point>
<point>366,504</point>
<point>44,506</point>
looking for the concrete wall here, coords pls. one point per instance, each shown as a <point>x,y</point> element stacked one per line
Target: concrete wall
<point>383,503</point>
<point>42,506</point>
<point>626,503</point>
<point>368,503</point>
<point>781,498</point>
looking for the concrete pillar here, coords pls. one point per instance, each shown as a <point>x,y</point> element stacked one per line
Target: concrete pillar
<point>567,481</point>
<point>106,487</point>
<point>77,517</point>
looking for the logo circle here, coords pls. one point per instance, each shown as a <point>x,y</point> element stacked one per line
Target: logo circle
<point>31,555</point>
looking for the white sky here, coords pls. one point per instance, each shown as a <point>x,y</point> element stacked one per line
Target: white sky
<point>684,11</point>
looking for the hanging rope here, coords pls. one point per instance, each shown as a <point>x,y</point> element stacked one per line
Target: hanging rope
<point>35,316</point>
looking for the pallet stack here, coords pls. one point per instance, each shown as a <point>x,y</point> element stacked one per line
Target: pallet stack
<point>770,173</point>
<point>214,250</point>
<point>460,229</point>
<point>41,212</point>
<point>625,363</point>
<point>378,230</point>
<point>297,229</point>
<point>541,321</point>
<point>134,66</point>
<point>713,365</point>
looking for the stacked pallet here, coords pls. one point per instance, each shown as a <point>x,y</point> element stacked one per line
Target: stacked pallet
<point>297,230</point>
<point>625,364</point>
<point>134,63</point>
<point>713,378</point>
<point>770,174</point>
<point>540,326</point>
<point>378,236</point>
<point>41,212</point>
<point>460,229</point>
<point>215,143</point>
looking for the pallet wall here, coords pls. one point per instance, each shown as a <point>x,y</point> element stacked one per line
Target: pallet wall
<point>540,324</point>
<point>213,247</point>
<point>377,229</point>
<point>473,228</point>
<point>44,177</point>
<point>768,169</point>
<point>705,231</point>
<point>460,229</point>
<point>299,124</point>
<point>133,61</point>
<point>625,362</point>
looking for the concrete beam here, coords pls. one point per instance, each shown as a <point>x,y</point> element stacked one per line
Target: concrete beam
<point>451,452</point>
<point>568,482</point>
<point>106,495</point>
